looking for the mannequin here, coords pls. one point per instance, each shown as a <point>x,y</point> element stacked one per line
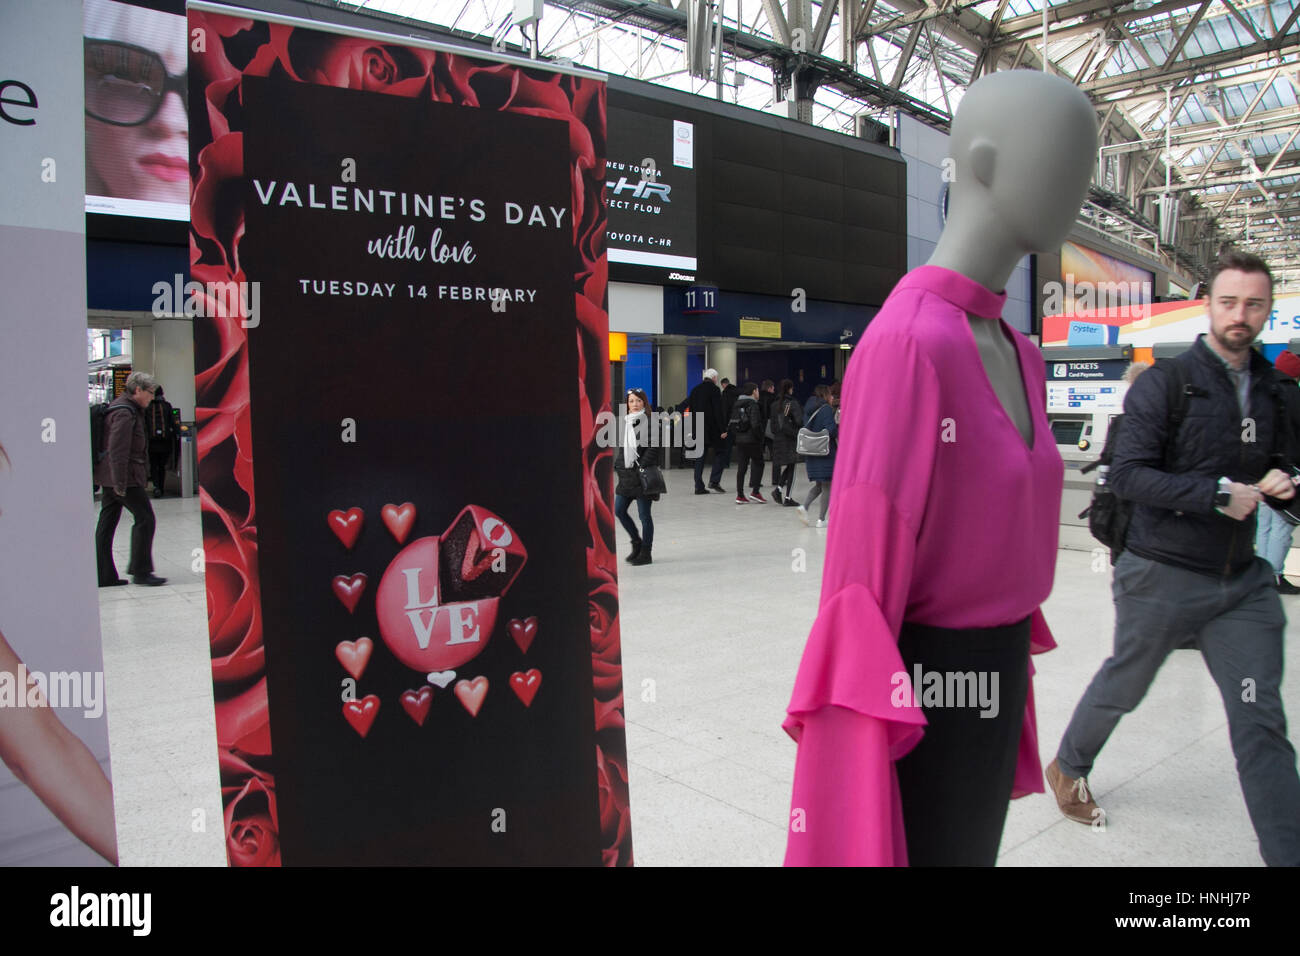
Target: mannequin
<point>1014,193</point>
<point>943,542</point>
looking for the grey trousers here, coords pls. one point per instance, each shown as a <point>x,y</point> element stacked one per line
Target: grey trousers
<point>1238,625</point>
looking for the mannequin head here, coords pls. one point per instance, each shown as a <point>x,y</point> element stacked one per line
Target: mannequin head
<point>1025,147</point>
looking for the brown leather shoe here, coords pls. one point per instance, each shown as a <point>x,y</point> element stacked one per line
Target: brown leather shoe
<point>1073,796</point>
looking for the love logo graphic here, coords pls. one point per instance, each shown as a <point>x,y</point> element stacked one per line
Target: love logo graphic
<point>436,604</point>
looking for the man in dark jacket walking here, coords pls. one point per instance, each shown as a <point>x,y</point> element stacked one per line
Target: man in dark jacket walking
<point>729,395</point>
<point>164,442</point>
<point>122,470</point>
<point>705,402</point>
<point>1189,567</point>
<point>746,423</point>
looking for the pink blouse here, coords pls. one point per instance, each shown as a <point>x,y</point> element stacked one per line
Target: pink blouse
<point>940,515</point>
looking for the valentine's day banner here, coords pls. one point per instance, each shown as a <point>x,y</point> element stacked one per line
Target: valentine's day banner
<point>407,526</point>
<point>56,805</point>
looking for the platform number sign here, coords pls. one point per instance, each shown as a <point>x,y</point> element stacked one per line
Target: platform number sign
<point>701,298</point>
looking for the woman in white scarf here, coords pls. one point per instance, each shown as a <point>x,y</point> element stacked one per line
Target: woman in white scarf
<point>636,452</point>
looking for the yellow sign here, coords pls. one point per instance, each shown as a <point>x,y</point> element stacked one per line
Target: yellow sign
<point>760,329</point>
<point>618,346</point>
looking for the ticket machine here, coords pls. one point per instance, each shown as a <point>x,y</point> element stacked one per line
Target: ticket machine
<point>1085,392</point>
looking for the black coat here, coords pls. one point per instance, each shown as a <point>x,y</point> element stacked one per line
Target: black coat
<point>783,446</point>
<point>707,398</point>
<point>627,481</point>
<point>1174,520</point>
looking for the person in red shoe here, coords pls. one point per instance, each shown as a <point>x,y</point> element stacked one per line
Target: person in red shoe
<point>746,425</point>
<point>123,473</point>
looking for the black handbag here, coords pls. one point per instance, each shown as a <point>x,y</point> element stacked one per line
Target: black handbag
<point>652,480</point>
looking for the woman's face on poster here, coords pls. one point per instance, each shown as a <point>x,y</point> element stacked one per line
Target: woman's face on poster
<point>137,125</point>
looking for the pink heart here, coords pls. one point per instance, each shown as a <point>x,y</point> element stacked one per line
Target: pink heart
<point>470,693</point>
<point>361,713</point>
<point>398,520</point>
<point>355,655</point>
<point>348,589</point>
<point>346,525</point>
<point>523,632</point>
<point>416,703</point>
<point>525,685</point>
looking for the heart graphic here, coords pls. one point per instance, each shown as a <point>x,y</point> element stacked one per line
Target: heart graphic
<point>348,589</point>
<point>398,520</point>
<point>441,678</point>
<point>471,693</point>
<point>416,703</point>
<point>423,630</point>
<point>355,655</point>
<point>525,685</point>
<point>346,525</point>
<point>361,713</point>
<point>523,632</point>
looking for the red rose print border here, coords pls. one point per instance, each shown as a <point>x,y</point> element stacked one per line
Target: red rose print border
<point>244,46</point>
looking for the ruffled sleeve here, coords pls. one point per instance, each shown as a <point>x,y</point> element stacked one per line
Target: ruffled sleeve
<point>1029,768</point>
<point>851,712</point>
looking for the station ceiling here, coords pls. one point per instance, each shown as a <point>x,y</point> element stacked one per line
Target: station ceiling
<point>1197,99</point>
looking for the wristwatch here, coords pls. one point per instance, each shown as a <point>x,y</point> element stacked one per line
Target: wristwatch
<point>1223,497</point>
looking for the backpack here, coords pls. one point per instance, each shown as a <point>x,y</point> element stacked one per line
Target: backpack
<point>1108,514</point>
<point>739,419</point>
<point>98,429</point>
<point>160,415</point>
<point>783,422</point>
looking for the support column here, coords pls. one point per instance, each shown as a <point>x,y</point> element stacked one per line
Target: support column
<point>721,354</point>
<point>672,386</point>
<point>173,363</point>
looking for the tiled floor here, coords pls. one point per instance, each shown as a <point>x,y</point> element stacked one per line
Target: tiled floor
<point>712,635</point>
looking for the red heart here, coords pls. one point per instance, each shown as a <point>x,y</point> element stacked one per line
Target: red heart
<point>471,693</point>
<point>416,703</point>
<point>348,589</point>
<point>525,685</point>
<point>398,520</point>
<point>361,713</point>
<point>523,632</point>
<point>346,525</point>
<point>355,655</point>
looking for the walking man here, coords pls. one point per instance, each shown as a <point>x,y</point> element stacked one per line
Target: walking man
<point>1189,569</point>
<point>123,473</point>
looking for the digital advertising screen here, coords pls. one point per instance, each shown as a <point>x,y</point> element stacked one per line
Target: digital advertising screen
<point>414,652</point>
<point>650,185</point>
<point>137,115</point>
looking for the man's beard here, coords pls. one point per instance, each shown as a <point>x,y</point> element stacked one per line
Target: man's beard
<point>1232,342</point>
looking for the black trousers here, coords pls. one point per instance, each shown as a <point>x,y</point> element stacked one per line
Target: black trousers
<point>142,528</point>
<point>750,456</point>
<point>159,454</point>
<point>783,477</point>
<point>956,783</point>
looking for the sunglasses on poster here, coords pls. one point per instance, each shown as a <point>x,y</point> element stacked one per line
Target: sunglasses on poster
<point>126,84</point>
